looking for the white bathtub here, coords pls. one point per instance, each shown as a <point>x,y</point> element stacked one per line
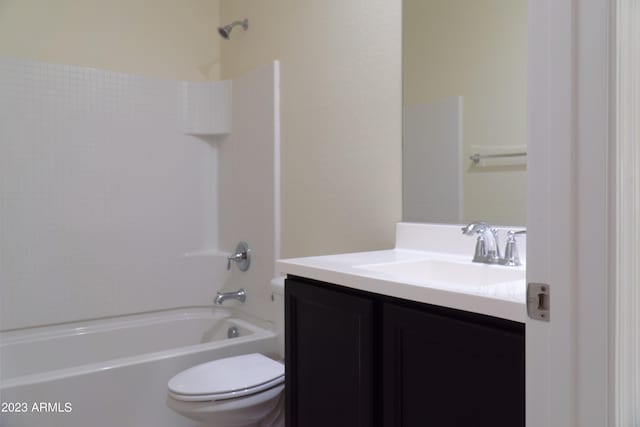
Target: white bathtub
<point>113,372</point>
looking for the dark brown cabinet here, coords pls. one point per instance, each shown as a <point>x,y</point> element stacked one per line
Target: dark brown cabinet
<point>443,370</point>
<point>329,357</point>
<point>358,359</point>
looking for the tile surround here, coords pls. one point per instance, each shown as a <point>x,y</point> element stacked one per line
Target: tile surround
<point>102,194</point>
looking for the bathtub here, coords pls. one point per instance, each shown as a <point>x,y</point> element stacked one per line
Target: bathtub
<point>114,372</point>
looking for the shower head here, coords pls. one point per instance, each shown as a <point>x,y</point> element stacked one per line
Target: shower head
<point>226,30</point>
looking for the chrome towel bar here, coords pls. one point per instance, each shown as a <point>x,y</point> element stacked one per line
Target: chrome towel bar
<point>477,157</point>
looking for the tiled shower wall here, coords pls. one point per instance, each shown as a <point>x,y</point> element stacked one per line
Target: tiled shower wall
<point>107,206</point>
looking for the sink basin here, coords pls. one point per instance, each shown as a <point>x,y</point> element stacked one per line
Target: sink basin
<point>443,272</point>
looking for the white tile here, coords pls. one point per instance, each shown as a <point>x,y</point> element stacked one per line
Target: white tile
<point>101,195</point>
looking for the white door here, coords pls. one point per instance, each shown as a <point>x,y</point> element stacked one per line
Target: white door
<point>569,227</point>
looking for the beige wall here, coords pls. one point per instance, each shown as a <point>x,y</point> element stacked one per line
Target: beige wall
<point>478,50</point>
<point>341,115</point>
<point>340,95</point>
<point>161,38</point>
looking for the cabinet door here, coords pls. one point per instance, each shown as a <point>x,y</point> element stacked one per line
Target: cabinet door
<point>446,371</point>
<point>329,357</point>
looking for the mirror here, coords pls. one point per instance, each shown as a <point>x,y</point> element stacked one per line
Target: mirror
<point>464,94</point>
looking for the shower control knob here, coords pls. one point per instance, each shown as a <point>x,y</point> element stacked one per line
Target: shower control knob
<point>242,257</point>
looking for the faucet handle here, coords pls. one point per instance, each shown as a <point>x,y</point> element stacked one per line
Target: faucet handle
<point>237,257</point>
<point>242,256</point>
<point>480,254</point>
<point>511,257</point>
<point>496,238</point>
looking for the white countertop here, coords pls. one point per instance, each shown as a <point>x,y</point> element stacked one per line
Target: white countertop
<point>504,300</point>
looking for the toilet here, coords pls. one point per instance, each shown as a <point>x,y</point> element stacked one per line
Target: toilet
<point>239,391</point>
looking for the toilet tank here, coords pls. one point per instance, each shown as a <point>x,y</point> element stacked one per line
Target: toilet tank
<point>277,295</point>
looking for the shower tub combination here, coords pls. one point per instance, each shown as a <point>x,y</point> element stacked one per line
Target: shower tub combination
<point>114,372</point>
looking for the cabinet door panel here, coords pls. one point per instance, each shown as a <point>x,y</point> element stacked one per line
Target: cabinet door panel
<point>329,357</point>
<point>444,371</point>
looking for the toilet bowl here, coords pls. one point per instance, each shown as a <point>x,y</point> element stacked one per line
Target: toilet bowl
<point>232,392</point>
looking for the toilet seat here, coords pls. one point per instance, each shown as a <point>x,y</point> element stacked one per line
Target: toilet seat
<point>228,378</point>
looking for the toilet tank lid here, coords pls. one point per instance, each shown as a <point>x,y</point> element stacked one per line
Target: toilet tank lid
<point>226,375</point>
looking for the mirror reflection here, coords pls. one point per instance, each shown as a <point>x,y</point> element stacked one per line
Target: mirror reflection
<point>464,95</point>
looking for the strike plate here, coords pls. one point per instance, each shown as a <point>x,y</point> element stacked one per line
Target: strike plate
<point>539,301</point>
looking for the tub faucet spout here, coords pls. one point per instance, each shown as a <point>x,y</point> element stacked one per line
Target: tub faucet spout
<point>221,297</point>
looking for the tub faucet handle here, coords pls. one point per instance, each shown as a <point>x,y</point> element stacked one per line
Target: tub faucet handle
<point>242,257</point>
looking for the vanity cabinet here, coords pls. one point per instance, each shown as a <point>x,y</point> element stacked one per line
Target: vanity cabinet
<point>360,359</point>
<point>329,357</point>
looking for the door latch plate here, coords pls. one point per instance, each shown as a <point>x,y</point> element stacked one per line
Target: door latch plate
<point>539,301</point>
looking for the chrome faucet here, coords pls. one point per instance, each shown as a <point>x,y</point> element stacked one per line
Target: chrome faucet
<point>487,248</point>
<point>511,257</point>
<point>242,257</point>
<point>221,297</point>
